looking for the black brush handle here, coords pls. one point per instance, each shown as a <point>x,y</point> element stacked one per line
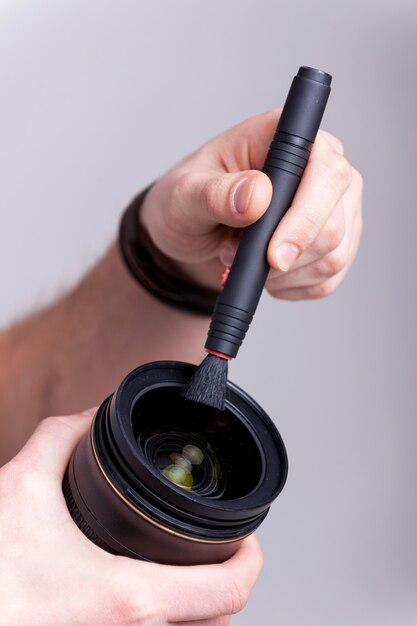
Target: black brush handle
<point>285,163</point>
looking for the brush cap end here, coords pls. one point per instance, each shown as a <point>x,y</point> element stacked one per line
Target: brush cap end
<point>313,74</point>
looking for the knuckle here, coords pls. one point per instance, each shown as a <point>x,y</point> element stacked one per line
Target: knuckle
<point>341,169</point>
<point>49,424</point>
<point>220,621</point>
<point>28,484</point>
<point>206,197</point>
<point>322,146</point>
<point>238,597</point>
<point>332,263</point>
<point>132,610</point>
<point>334,233</point>
<point>307,228</point>
<point>334,141</point>
<point>58,426</point>
<point>181,187</point>
<point>273,292</point>
<point>338,145</point>
<point>24,477</point>
<point>320,291</point>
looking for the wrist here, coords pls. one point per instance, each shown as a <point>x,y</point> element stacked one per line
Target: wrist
<point>200,274</point>
<point>181,284</point>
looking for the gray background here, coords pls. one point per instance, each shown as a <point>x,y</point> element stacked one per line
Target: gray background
<point>98,98</point>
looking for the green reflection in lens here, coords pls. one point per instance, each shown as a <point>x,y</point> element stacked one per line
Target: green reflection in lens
<point>193,454</point>
<point>179,475</point>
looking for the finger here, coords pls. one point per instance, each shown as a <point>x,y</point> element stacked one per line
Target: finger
<point>337,229</point>
<point>205,199</point>
<point>344,226</point>
<point>329,238</point>
<point>248,142</point>
<point>320,271</point>
<point>199,592</point>
<point>217,621</point>
<point>333,141</point>
<point>321,288</point>
<point>229,248</point>
<point>340,226</point>
<point>334,232</point>
<point>245,146</point>
<point>313,273</point>
<point>313,292</point>
<point>325,180</point>
<point>320,261</point>
<point>49,448</point>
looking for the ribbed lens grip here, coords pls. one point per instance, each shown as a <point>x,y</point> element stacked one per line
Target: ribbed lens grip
<point>78,518</point>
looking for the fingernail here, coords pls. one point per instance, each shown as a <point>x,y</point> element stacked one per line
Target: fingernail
<point>228,254</point>
<point>242,194</point>
<point>285,255</point>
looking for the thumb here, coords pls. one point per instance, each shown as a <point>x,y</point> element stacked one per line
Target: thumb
<point>234,199</point>
<point>50,447</point>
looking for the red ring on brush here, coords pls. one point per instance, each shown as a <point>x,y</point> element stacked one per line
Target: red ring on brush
<point>219,354</point>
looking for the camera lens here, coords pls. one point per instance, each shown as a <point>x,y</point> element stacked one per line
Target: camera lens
<point>208,452</point>
<point>164,479</point>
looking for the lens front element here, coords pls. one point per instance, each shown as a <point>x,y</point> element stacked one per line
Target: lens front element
<point>202,450</point>
<point>186,460</point>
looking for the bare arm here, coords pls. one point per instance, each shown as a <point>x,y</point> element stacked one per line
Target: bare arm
<point>74,354</point>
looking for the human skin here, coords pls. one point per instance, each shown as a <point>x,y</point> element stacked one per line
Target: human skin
<point>51,574</point>
<point>75,353</point>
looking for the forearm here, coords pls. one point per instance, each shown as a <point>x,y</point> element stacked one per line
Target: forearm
<point>74,354</point>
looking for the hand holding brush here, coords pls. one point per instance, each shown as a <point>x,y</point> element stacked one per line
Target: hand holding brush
<point>195,212</point>
<point>284,165</point>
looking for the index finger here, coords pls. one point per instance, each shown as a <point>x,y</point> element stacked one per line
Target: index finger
<point>50,447</point>
<point>324,182</point>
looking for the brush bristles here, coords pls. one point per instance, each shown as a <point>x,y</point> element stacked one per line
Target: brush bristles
<point>208,383</point>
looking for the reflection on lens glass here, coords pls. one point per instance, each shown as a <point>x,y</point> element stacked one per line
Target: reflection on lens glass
<point>186,460</point>
<point>178,475</point>
<point>193,454</point>
<point>180,472</point>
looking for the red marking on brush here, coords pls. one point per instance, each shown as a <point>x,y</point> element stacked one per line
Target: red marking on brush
<point>220,354</point>
<point>225,276</point>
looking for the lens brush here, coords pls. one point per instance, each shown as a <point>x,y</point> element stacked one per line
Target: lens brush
<point>236,305</point>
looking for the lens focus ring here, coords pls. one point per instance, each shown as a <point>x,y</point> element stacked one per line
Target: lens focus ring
<point>78,518</point>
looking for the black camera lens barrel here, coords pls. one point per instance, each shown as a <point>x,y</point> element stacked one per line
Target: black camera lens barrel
<point>120,499</point>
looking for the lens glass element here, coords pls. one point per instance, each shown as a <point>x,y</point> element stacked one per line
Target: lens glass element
<point>186,460</point>
<point>202,450</point>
